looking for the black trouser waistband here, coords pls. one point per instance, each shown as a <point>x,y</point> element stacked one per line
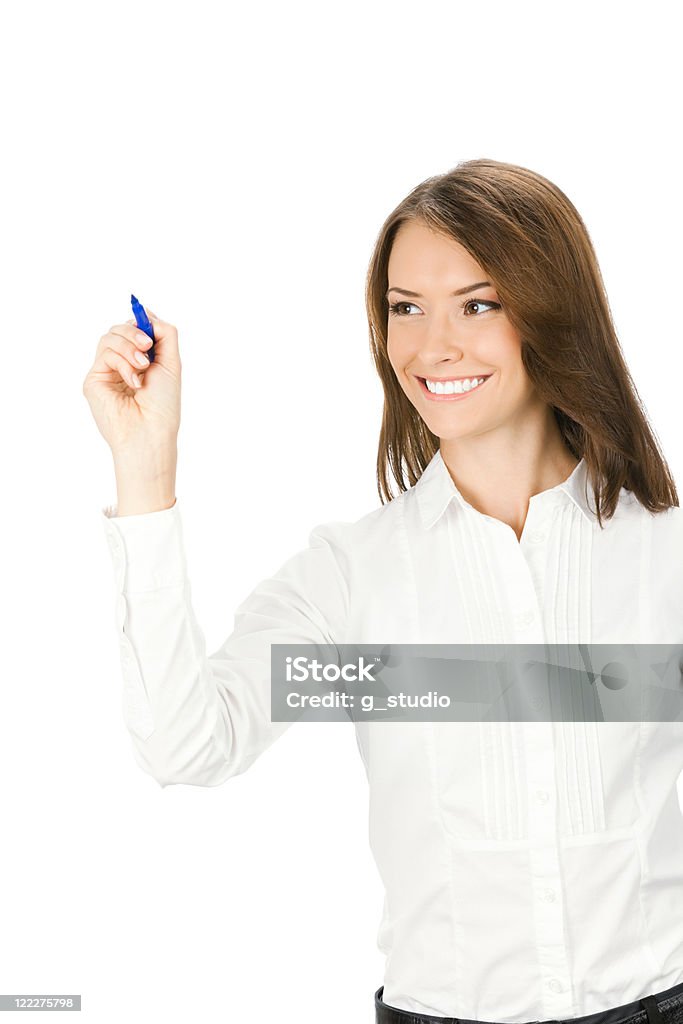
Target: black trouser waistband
<point>655,1008</point>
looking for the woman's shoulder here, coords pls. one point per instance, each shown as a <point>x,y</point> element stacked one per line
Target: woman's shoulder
<point>667,528</point>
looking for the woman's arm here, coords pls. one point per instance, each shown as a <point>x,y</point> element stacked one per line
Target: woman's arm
<point>195,719</point>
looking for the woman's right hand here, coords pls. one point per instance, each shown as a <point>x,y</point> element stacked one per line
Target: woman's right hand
<point>136,420</point>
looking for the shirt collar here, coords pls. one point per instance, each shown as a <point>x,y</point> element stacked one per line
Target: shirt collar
<point>436,489</point>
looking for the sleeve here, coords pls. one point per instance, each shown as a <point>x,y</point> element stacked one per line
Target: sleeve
<point>195,719</point>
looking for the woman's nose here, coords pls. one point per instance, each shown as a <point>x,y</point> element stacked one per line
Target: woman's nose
<point>441,339</point>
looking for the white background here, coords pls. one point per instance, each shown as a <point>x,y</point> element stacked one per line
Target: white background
<point>231,165</point>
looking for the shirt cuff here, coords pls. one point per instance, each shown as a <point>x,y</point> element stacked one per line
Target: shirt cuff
<point>147,550</point>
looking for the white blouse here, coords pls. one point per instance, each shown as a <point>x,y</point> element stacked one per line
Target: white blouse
<point>532,870</point>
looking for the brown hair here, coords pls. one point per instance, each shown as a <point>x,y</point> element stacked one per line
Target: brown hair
<point>534,247</point>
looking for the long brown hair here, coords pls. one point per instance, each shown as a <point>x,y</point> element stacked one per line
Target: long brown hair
<point>535,249</point>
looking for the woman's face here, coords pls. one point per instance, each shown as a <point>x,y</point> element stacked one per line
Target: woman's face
<point>436,334</point>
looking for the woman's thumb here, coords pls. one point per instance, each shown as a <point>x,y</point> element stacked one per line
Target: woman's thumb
<point>166,337</point>
<point>165,333</point>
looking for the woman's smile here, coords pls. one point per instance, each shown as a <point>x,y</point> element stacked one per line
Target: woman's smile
<point>455,392</point>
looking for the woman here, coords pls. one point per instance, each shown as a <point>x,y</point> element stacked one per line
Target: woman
<point>532,870</point>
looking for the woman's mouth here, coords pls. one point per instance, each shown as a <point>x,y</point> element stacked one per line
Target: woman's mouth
<point>462,389</point>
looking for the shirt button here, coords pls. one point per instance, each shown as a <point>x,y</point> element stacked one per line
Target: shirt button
<point>549,896</point>
<point>537,536</point>
<point>555,985</point>
<point>542,795</point>
<point>524,618</point>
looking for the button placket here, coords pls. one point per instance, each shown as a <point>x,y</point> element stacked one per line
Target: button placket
<point>545,864</point>
<point>534,536</point>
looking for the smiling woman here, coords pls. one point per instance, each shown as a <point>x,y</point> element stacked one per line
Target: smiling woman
<point>538,330</point>
<point>508,437</point>
<point>533,870</point>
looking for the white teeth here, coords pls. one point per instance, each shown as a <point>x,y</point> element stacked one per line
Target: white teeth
<point>453,387</point>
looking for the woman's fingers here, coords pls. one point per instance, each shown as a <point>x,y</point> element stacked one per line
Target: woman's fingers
<point>114,360</point>
<point>129,344</point>
<point>131,333</point>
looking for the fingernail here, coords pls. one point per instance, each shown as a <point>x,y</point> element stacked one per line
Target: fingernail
<point>136,380</point>
<point>141,359</point>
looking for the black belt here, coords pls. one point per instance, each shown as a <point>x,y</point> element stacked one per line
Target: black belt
<point>659,1008</point>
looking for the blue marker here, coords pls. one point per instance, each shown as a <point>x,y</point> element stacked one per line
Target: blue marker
<point>144,324</point>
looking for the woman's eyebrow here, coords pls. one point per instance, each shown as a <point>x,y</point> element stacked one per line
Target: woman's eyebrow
<point>460,291</point>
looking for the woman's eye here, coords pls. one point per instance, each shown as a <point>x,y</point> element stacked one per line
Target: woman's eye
<point>394,309</point>
<point>480,302</point>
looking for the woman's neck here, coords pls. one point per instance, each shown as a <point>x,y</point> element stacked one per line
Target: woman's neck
<point>499,482</point>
